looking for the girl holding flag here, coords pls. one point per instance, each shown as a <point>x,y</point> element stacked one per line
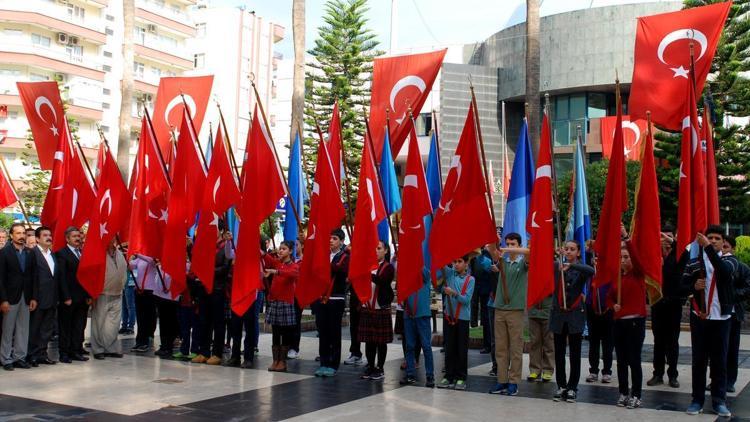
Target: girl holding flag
<point>280,311</point>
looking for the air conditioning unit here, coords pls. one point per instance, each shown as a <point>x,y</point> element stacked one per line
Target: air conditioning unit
<point>151,28</point>
<point>147,98</point>
<point>60,77</point>
<point>73,40</point>
<point>62,38</point>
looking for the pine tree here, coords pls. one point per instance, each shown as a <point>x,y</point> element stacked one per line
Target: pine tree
<point>341,70</point>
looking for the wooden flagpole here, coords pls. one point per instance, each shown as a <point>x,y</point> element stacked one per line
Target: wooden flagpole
<point>556,210</point>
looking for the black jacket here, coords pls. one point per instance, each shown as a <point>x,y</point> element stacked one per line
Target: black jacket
<point>671,274</point>
<point>13,280</point>
<point>73,289</point>
<point>339,273</point>
<point>724,270</point>
<point>383,278</point>
<point>50,287</point>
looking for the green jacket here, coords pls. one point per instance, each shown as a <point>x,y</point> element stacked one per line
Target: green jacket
<point>542,309</point>
<point>516,275</point>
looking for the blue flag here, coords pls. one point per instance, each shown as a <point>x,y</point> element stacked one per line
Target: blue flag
<point>579,226</point>
<point>392,194</point>
<point>297,191</point>
<point>519,193</point>
<point>435,188</point>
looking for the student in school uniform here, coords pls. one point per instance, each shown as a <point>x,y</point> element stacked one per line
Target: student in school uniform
<point>280,312</point>
<point>541,348</point>
<point>375,324</point>
<point>417,335</point>
<point>567,320</point>
<point>601,340</point>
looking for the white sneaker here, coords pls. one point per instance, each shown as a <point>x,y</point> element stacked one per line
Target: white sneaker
<point>292,354</point>
<point>361,362</point>
<point>352,360</point>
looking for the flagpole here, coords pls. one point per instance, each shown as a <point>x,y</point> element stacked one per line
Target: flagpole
<point>192,125</point>
<point>618,101</point>
<point>158,148</point>
<point>437,148</point>
<point>15,192</point>
<point>380,182</point>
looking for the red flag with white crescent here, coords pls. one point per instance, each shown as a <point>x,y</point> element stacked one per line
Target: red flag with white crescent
<point>632,129</point>
<point>168,106</point>
<point>44,112</point>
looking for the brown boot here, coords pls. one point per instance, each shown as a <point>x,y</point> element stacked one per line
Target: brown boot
<point>282,358</point>
<point>275,365</point>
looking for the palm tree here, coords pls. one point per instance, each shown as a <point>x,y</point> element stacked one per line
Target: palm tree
<point>126,88</point>
<point>532,71</point>
<point>298,82</point>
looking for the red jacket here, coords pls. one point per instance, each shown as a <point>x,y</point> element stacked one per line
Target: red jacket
<point>633,298</point>
<point>284,282</point>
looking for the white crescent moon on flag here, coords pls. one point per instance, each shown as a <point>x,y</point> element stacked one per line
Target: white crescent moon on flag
<point>694,134</point>
<point>42,101</point>
<point>106,197</point>
<point>682,34</point>
<point>409,80</point>
<point>627,124</point>
<point>75,204</point>
<point>544,171</point>
<point>371,194</point>
<point>411,180</point>
<point>178,100</point>
<point>216,188</point>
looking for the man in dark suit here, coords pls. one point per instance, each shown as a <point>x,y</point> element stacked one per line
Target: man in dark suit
<point>73,309</point>
<point>47,278</point>
<point>17,298</point>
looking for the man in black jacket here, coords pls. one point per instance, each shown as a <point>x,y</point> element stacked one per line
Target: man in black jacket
<point>74,306</point>
<point>17,298</point>
<point>47,278</point>
<point>741,294</point>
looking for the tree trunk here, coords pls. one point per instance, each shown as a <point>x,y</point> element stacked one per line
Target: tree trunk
<point>298,82</point>
<point>126,88</point>
<point>532,72</point>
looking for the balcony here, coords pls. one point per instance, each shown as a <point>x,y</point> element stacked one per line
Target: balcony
<point>78,111</point>
<point>173,20</point>
<point>151,47</point>
<point>52,17</point>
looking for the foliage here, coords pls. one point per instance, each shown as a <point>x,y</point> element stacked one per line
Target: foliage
<point>5,220</point>
<point>742,251</point>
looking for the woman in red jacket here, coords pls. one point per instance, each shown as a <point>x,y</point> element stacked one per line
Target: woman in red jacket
<point>280,311</point>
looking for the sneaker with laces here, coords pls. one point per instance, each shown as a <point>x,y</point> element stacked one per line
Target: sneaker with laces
<point>407,380</point>
<point>571,396</point>
<point>493,372</point>
<point>446,383</point>
<point>532,377</point>
<point>319,371</point>
<point>329,372</point>
<point>560,395</point>
<point>430,383</point>
<point>377,375</point>
<point>499,388</point>
<point>460,385</point>
<point>361,362</point>
<point>546,376</point>
<point>722,410</point>
<point>694,409</point>
<point>634,403</point>
<point>292,354</point>
<point>352,360</point>
<point>178,355</point>
<point>366,375</point>
<point>606,378</point>
<point>676,384</point>
<point>512,389</point>
<point>623,400</point>
<point>592,378</point>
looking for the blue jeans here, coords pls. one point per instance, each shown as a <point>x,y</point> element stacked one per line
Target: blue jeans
<point>418,330</point>
<point>128,307</point>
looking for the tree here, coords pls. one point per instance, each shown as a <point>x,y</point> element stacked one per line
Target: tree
<point>533,71</point>
<point>298,80</point>
<point>126,88</point>
<point>341,71</point>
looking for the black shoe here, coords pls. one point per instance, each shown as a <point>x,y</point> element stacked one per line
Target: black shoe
<point>233,362</point>
<point>21,364</point>
<point>674,383</point>
<point>65,359</point>
<point>113,355</point>
<point>731,389</point>
<point>484,351</point>
<point>163,353</point>
<point>122,331</point>
<point>410,381</point>
<point>46,361</point>
<point>430,383</point>
<point>8,366</point>
<point>84,352</point>
<point>247,364</point>
<point>79,358</point>
<point>99,356</point>
<point>655,380</point>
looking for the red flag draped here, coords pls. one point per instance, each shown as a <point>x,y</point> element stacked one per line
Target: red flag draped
<point>416,205</point>
<point>646,226</point>
<point>168,107</point>
<point>540,226</point>
<point>370,212</point>
<point>607,245</point>
<point>8,195</point>
<point>400,83</point>
<point>44,111</point>
<point>188,181</point>
<point>463,221</point>
<point>712,178</point>
<point>631,136</point>
<point>108,217</point>
<point>326,213</point>
<point>219,193</point>
<point>263,187</point>
<point>662,60</point>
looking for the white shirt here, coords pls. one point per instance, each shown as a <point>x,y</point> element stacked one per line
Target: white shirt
<point>75,251</point>
<point>715,313</point>
<point>48,257</point>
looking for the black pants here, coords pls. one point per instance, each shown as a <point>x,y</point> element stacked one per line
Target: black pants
<point>354,304</point>
<point>236,325</point>
<point>376,349</point>
<point>213,325</point>
<point>733,351</point>
<point>72,324</point>
<point>572,342</point>
<point>629,335</point>
<point>480,313</point>
<point>297,334</point>
<point>600,341</point>
<point>169,325</point>
<point>145,314</point>
<point>665,324</point>
<point>282,335</point>
<point>456,343</point>
<point>710,341</point>
<point>40,331</point>
<point>328,316</point>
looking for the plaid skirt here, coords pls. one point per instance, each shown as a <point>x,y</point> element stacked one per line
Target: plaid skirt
<point>375,325</point>
<point>280,313</point>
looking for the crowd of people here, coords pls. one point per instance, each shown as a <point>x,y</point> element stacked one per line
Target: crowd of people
<point>41,298</point>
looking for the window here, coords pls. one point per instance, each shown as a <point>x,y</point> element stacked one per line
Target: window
<point>36,77</point>
<point>75,52</point>
<point>109,31</point>
<point>424,124</point>
<point>106,91</point>
<point>139,34</point>
<point>40,40</point>
<point>107,68</point>
<point>199,60</point>
<point>200,30</point>
<point>107,54</point>
<point>570,112</point>
<point>156,72</point>
<point>167,41</point>
<point>138,69</point>
<point>105,106</point>
<point>12,32</point>
<point>76,12</point>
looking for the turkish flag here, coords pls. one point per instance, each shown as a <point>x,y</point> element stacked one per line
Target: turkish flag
<point>149,189</point>
<point>370,212</point>
<point>326,213</point>
<point>539,225</point>
<point>400,83</point>
<point>169,104</point>
<point>607,244</point>
<point>335,139</point>
<point>188,181</point>
<point>712,179</point>
<point>646,225</point>
<point>108,217</point>
<point>411,233</point>
<point>462,221</point>
<point>44,111</point>
<point>691,209</point>
<point>57,180</point>
<point>631,136</point>
<point>8,195</point>
<point>263,187</point>
<point>662,60</point>
<point>76,197</point>
<point>219,193</point>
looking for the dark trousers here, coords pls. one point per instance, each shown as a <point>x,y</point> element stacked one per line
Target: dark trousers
<point>601,342</point>
<point>72,324</point>
<point>480,314</point>
<point>710,341</point>
<point>145,314</point>
<point>40,331</point>
<point>297,333</point>
<point>665,324</point>
<point>376,352</point>
<point>572,342</point>
<point>282,335</point>
<point>189,330</point>
<point>213,325</point>
<point>354,305</point>
<point>733,351</point>
<point>629,335</point>
<point>248,322</point>
<point>328,316</point>
<point>456,343</point>
<point>169,326</point>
